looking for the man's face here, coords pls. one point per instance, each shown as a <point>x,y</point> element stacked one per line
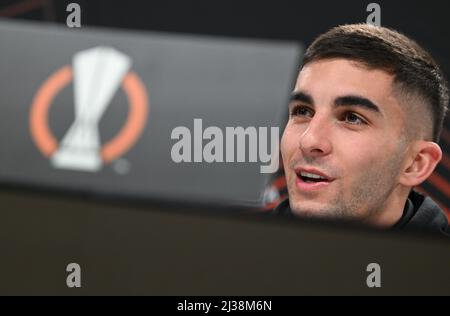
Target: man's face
<point>346,127</point>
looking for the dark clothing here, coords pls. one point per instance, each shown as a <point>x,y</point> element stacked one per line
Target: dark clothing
<point>420,214</point>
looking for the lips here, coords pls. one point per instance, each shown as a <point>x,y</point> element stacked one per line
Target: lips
<point>309,179</point>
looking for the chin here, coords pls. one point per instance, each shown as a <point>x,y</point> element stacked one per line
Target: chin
<point>312,210</point>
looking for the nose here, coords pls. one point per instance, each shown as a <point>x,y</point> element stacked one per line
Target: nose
<point>315,140</point>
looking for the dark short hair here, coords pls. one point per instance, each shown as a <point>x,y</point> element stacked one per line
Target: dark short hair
<point>382,48</point>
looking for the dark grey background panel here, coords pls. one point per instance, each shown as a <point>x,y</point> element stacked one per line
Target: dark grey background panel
<point>222,81</point>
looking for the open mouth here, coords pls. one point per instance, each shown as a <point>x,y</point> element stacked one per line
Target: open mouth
<point>312,178</point>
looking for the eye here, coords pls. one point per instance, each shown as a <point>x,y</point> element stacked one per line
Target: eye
<point>353,119</point>
<point>301,110</point>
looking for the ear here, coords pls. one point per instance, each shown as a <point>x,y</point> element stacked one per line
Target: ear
<point>424,156</point>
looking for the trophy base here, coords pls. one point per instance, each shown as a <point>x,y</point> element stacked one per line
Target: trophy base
<point>77,159</point>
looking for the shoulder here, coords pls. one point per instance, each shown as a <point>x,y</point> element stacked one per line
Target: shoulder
<point>428,216</point>
<point>283,208</point>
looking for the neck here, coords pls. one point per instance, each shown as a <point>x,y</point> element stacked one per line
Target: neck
<point>392,210</point>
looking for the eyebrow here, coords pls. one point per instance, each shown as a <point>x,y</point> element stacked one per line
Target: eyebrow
<point>302,97</point>
<point>354,100</point>
<point>347,100</point>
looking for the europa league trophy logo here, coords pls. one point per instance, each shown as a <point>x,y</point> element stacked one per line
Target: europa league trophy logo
<point>98,73</point>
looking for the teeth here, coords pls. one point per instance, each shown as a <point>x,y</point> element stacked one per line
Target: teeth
<point>311,175</point>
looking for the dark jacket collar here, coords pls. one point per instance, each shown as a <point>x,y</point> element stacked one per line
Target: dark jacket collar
<point>419,214</point>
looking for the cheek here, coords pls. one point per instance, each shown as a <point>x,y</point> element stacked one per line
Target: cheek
<point>288,142</point>
<point>362,157</point>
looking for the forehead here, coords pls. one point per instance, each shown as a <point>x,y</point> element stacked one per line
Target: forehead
<point>327,79</point>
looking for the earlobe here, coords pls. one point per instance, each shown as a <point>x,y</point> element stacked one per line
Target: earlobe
<point>425,156</point>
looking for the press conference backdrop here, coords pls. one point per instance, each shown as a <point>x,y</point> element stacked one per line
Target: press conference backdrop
<point>95,111</point>
<point>300,21</point>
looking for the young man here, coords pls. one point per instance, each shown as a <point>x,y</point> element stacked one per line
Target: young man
<point>364,121</point>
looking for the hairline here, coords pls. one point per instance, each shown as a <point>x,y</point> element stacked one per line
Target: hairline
<point>403,94</point>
